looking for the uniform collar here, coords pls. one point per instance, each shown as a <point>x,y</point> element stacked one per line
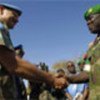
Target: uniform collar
<point>4,26</point>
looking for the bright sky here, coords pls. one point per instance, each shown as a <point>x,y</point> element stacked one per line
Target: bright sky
<point>52,30</point>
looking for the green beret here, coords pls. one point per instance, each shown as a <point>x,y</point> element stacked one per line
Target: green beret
<point>92,10</point>
<point>11,7</point>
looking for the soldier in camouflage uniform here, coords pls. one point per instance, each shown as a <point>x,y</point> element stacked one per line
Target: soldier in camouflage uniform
<point>92,71</point>
<point>12,64</point>
<point>8,89</point>
<point>92,17</point>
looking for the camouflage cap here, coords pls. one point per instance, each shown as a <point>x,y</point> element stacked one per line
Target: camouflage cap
<point>92,10</point>
<point>11,7</point>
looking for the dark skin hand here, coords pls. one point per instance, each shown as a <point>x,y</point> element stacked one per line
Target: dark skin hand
<point>79,78</point>
<point>17,66</point>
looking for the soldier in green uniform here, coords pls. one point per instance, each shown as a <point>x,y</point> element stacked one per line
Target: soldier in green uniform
<point>92,69</point>
<point>11,64</point>
<point>92,16</point>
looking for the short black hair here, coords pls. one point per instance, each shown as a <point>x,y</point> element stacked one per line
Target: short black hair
<point>60,70</point>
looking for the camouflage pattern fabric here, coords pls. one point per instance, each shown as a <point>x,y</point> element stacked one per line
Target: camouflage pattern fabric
<point>7,82</point>
<point>94,53</point>
<point>7,88</point>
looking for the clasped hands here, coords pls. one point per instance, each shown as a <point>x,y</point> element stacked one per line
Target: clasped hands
<point>60,81</point>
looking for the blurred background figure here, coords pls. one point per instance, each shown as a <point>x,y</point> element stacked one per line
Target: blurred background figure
<point>75,91</point>
<point>19,81</point>
<point>57,93</point>
<point>40,91</point>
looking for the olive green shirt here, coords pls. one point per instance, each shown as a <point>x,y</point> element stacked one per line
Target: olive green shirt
<point>94,53</point>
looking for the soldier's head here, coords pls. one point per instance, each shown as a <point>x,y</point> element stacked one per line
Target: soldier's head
<point>71,67</point>
<point>92,16</point>
<point>9,15</point>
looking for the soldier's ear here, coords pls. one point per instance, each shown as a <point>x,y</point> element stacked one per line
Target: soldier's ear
<point>1,9</point>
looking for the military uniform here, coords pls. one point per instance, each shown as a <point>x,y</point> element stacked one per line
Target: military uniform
<point>8,89</point>
<point>94,54</point>
<point>7,82</point>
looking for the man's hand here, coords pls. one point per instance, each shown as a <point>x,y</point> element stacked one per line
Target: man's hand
<point>60,83</point>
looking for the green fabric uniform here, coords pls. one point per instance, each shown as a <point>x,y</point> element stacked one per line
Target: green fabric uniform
<point>94,53</point>
<point>7,82</point>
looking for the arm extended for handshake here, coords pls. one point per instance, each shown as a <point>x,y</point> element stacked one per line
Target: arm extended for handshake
<point>17,66</point>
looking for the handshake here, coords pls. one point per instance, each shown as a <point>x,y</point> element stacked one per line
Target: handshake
<point>59,81</point>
